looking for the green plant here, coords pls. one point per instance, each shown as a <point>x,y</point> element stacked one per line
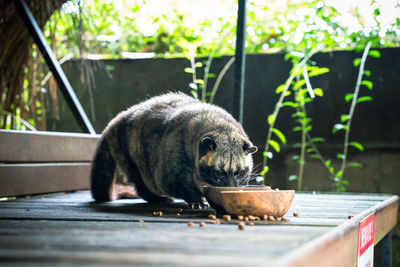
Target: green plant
<point>199,86</point>
<point>283,91</point>
<point>308,144</point>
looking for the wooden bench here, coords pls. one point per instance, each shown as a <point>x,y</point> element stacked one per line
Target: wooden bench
<point>43,162</point>
<point>73,230</point>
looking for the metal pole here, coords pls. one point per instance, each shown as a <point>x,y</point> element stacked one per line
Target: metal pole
<point>54,66</point>
<point>386,250</point>
<point>240,60</point>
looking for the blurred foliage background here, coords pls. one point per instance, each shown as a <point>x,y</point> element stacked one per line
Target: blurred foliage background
<point>105,29</point>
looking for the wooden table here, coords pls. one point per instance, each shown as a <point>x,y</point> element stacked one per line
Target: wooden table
<point>69,229</point>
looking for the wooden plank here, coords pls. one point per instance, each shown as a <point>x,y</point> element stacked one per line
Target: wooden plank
<point>71,229</point>
<point>26,146</point>
<point>149,242</point>
<point>28,179</point>
<point>342,240</point>
<point>68,207</point>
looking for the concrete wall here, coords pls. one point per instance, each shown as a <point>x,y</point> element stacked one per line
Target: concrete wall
<point>376,124</point>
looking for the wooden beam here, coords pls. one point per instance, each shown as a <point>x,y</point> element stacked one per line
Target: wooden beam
<point>29,179</point>
<point>25,146</point>
<point>343,240</point>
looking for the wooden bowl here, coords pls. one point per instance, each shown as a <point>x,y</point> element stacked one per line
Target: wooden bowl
<point>213,194</point>
<point>257,203</point>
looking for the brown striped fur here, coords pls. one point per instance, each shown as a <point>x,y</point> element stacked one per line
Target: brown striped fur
<point>170,146</point>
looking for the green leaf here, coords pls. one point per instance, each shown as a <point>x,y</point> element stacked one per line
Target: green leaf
<point>356,62</point>
<point>344,118</point>
<point>292,177</point>
<point>348,97</point>
<point>299,84</point>
<point>193,86</point>
<point>211,75</point>
<point>318,92</point>
<point>200,81</point>
<point>368,84</point>
<point>345,182</point>
<point>367,73</point>
<point>328,162</point>
<point>268,154</point>
<point>357,145</point>
<point>337,127</point>
<point>275,145</point>
<point>287,93</point>
<point>339,173</point>
<point>289,104</point>
<point>194,94</point>
<point>271,119</point>
<point>374,53</point>
<point>296,129</point>
<point>188,70</point>
<point>295,157</point>
<point>340,156</point>
<point>264,171</point>
<point>318,139</point>
<point>199,64</point>
<point>280,135</point>
<point>364,98</point>
<point>354,164</point>
<point>315,71</point>
<point>309,150</point>
<point>280,89</point>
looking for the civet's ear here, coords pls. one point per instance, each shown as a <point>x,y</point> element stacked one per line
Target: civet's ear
<point>207,144</point>
<point>249,149</point>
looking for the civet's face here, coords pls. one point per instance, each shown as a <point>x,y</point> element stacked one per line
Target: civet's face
<point>225,161</point>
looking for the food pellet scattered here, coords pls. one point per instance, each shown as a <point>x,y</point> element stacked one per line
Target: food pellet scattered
<point>246,219</point>
<point>212,216</point>
<point>285,219</point>
<point>241,226</point>
<point>251,223</point>
<point>178,214</point>
<point>240,217</point>
<point>190,224</point>
<point>295,214</point>
<point>202,224</point>
<point>216,221</point>
<point>227,218</point>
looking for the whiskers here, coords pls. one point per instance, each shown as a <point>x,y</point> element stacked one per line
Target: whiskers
<point>251,177</point>
<point>247,180</point>
<point>211,180</point>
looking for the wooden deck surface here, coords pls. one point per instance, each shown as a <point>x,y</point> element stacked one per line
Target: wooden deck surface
<point>70,229</point>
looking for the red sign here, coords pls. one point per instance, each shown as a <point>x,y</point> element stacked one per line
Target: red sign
<point>366,242</point>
